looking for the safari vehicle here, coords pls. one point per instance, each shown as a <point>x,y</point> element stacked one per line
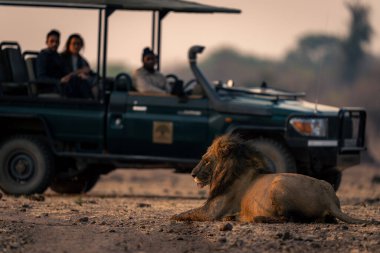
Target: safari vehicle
<point>51,141</point>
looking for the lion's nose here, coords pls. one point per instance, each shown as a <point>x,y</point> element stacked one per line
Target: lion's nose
<point>193,175</point>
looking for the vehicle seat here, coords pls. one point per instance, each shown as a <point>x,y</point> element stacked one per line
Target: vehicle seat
<point>123,82</point>
<point>39,88</point>
<point>30,61</point>
<point>14,69</point>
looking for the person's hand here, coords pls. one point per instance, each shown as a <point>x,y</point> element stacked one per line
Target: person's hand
<point>83,76</point>
<point>66,78</point>
<point>84,70</point>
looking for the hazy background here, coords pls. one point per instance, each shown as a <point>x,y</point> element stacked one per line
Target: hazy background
<point>311,46</point>
<point>265,28</point>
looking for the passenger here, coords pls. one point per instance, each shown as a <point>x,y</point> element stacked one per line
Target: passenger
<point>83,81</point>
<point>147,78</point>
<point>50,67</point>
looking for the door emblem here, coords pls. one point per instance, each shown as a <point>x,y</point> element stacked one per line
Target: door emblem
<point>163,132</point>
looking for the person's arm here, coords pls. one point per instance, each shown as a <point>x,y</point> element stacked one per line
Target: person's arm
<point>83,67</point>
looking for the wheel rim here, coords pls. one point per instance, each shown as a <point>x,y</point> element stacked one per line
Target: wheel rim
<point>21,167</point>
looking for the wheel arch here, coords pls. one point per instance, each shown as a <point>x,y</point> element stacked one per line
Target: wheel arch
<point>23,125</point>
<point>253,132</point>
<point>33,125</point>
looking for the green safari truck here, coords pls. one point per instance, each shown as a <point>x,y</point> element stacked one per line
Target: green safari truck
<point>48,140</point>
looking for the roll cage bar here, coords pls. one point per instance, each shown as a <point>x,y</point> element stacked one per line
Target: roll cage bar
<point>159,8</point>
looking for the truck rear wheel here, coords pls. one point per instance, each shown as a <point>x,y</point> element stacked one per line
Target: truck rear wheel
<point>26,166</point>
<point>78,184</point>
<point>276,155</point>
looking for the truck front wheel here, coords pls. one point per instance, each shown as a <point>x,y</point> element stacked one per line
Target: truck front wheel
<point>276,155</point>
<point>332,176</point>
<point>26,166</point>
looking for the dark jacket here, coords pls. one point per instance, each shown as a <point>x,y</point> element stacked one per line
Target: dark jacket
<point>67,60</point>
<point>50,66</point>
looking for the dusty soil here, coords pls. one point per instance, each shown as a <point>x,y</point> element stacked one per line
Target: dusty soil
<point>129,211</point>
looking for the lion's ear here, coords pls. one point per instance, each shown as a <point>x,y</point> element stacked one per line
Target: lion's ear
<point>227,148</point>
<point>225,145</point>
<point>224,150</point>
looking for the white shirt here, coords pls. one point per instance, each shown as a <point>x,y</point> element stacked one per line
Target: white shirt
<point>145,81</point>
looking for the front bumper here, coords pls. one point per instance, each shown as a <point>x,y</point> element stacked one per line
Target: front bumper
<point>340,149</point>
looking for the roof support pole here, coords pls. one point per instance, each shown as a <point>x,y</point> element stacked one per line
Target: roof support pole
<point>100,25</point>
<point>162,15</point>
<point>108,13</point>
<point>153,46</point>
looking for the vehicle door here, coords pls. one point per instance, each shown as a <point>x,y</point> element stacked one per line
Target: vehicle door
<point>164,126</point>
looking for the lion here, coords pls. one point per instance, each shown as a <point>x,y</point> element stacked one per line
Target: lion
<point>242,188</point>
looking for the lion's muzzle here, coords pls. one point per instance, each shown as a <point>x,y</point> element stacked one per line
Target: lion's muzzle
<point>199,182</point>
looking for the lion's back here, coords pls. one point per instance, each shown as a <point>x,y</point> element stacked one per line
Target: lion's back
<point>277,195</point>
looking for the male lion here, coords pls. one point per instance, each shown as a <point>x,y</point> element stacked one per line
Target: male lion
<point>242,188</point>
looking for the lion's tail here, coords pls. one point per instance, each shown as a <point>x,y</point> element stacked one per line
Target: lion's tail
<point>337,213</point>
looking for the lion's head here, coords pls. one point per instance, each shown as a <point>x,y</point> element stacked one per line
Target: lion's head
<point>228,157</point>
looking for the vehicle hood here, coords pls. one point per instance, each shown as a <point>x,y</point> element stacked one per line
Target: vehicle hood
<point>252,105</point>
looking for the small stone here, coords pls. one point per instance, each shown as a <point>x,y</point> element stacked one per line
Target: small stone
<point>226,227</point>
<point>37,197</point>
<point>238,243</point>
<point>83,219</point>
<point>143,205</point>
<point>315,245</point>
<point>223,240</point>
<point>112,231</point>
<point>286,236</point>
<point>179,238</point>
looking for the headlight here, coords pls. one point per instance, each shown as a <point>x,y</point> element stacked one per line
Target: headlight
<point>310,127</point>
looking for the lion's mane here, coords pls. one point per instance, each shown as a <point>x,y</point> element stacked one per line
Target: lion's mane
<point>230,157</point>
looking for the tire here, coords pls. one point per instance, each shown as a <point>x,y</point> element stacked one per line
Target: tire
<point>277,156</point>
<point>26,166</point>
<point>79,184</point>
<point>332,176</point>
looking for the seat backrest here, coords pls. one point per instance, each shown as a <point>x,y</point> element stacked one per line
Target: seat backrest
<point>123,82</point>
<point>30,61</point>
<point>3,77</point>
<point>14,62</point>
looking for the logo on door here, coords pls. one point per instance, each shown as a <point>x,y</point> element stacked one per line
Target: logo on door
<point>163,132</point>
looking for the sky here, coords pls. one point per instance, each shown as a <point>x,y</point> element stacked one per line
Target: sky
<point>265,28</point>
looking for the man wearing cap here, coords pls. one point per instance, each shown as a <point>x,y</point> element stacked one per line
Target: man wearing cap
<point>147,78</point>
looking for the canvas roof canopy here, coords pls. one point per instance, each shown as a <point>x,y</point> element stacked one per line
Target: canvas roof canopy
<point>153,5</point>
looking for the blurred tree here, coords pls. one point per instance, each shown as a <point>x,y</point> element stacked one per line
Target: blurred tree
<point>360,33</point>
<point>314,50</point>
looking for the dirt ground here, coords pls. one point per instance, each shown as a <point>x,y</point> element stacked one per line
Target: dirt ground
<point>129,211</point>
